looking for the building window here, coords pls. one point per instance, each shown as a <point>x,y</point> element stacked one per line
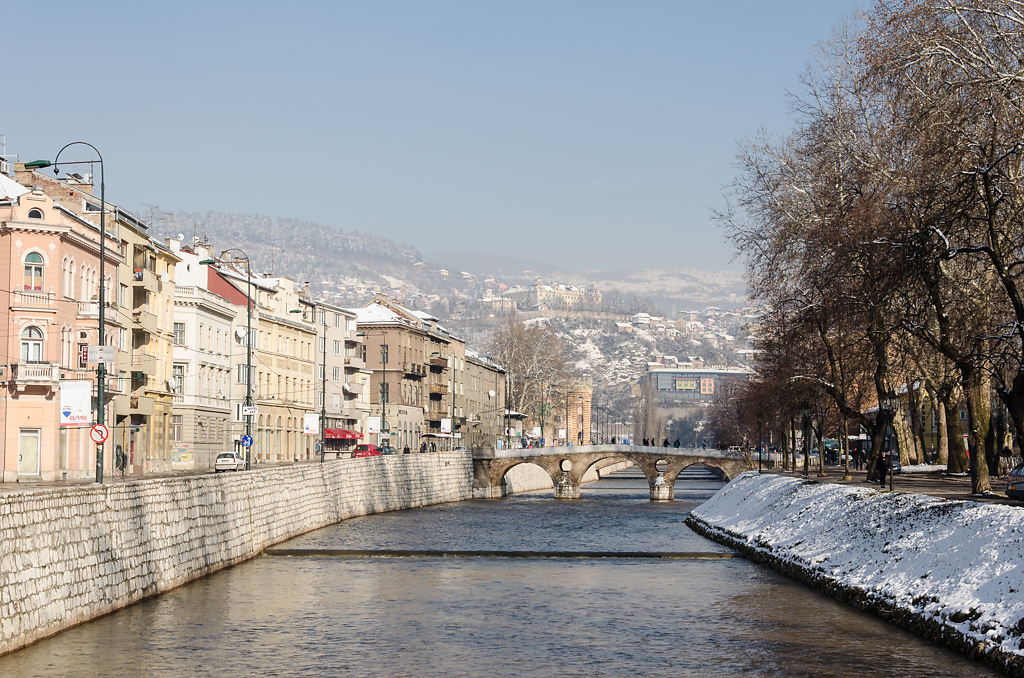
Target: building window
<point>337,320</point>
<point>179,334</point>
<point>336,376</point>
<point>176,428</point>
<point>178,377</point>
<point>32,345</point>
<point>240,376</point>
<point>35,213</point>
<point>384,354</point>
<point>337,347</point>
<point>34,271</point>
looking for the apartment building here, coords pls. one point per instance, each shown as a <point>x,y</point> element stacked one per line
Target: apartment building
<point>342,379</point>
<point>204,338</point>
<point>49,262</point>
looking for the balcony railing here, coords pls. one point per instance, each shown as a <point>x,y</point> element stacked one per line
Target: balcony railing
<point>145,279</point>
<point>34,373</point>
<point>32,299</point>
<point>143,362</point>
<point>145,320</point>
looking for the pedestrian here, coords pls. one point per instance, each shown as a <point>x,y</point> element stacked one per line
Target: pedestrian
<point>423,447</point>
<point>645,442</point>
<point>665,443</point>
<point>433,447</point>
<point>676,443</point>
<point>613,440</point>
<point>883,460</point>
<point>405,450</point>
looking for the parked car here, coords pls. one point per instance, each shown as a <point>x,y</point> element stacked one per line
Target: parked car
<point>387,449</point>
<point>229,461</point>
<point>1015,488</point>
<point>366,450</point>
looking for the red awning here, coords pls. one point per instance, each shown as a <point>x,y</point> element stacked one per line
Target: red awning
<point>341,434</point>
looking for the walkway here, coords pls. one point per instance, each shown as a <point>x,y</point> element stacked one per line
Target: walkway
<point>934,483</point>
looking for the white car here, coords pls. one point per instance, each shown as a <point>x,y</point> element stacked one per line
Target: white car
<point>229,461</point>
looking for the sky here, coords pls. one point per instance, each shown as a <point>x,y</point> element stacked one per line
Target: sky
<point>590,133</point>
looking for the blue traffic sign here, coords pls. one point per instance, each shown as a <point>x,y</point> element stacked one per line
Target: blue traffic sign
<point>247,441</point>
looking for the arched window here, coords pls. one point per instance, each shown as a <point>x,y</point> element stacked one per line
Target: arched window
<point>31,345</point>
<point>35,213</point>
<point>33,271</point>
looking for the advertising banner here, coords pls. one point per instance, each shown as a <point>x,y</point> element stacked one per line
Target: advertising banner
<point>75,403</point>
<point>373,424</point>
<point>310,424</point>
<point>446,426</point>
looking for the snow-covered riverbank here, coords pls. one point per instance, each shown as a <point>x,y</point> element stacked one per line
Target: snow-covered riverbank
<point>952,571</point>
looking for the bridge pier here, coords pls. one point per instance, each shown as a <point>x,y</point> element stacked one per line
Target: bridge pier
<point>662,490</point>
<point>565,488</point>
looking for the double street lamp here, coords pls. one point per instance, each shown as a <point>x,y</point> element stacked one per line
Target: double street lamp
<point>889,403</point>
<point>101,366</point>
<point>242,256</point>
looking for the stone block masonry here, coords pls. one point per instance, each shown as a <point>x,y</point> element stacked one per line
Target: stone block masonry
<point>68,555</point>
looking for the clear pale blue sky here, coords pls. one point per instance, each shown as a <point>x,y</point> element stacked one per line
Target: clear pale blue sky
<point>590,132</point>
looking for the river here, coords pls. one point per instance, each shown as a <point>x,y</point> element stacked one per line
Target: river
<point>497,615</point>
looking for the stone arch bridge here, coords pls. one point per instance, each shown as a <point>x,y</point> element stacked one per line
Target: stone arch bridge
<point>567,466</point>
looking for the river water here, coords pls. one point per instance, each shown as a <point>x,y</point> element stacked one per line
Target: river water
<point>496,615</point>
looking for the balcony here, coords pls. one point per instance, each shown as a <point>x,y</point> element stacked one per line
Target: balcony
<point>438,363</point>
<point>354,361</point>
<point>140,405</point>
<point>143,362</point>
<point>34,374</point>
<point>415,369</point>
<point>91,310</point>
<point>122,359</point>
<point>438,389</point>
<point>143,278</point>
<point>32,300</point>
<point>144,320</point>
<point>435,414</point>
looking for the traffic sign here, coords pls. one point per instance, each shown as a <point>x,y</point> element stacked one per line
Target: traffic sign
<point>246,441</point>
<point>249,410</point>
<point>99,433</point>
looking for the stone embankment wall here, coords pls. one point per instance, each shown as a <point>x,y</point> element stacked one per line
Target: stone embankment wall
<point>68,555</point>
<point>947,570</point>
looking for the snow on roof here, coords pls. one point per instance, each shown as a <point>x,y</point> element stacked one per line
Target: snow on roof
<point>378,313</point>
<point>10,189</point>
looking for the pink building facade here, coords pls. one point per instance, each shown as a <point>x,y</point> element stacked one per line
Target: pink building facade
<point>49,283</point>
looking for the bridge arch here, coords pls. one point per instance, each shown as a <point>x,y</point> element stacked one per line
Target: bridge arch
<point>490,466</point>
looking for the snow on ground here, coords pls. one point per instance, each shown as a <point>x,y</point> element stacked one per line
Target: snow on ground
<point>957,563</point>
<point>922,468</point>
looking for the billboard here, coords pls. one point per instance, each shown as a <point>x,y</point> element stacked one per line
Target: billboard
<point>75,403</point>
<point>310,424</point>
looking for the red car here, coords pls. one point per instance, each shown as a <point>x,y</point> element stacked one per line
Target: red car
<point>365,450</point>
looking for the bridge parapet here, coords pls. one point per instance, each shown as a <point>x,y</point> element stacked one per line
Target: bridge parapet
<point>567,465</point>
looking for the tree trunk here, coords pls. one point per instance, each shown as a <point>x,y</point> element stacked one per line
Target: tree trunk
<point>905,441</point>
<point>792,448</point>
<point>914,401</point>
<point>942,444</point>
<point>979,413</point>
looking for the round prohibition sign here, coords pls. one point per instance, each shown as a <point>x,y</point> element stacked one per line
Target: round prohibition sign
<point>99,433</point>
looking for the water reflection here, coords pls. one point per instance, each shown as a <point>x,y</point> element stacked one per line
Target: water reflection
<point>495,616</point>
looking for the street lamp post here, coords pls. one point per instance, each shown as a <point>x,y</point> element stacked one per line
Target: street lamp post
<point>889,404</point>
<point>323,388</point>
<point>101,372</point>
<point>248,347</point>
